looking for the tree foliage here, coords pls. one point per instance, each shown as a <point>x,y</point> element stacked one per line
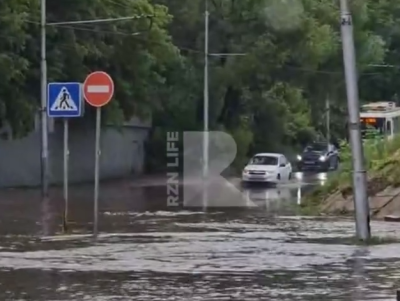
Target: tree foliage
<point>271,98</point>
<point>135,52</point>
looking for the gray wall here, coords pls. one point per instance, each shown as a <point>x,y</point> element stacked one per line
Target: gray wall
<point>122,154</point>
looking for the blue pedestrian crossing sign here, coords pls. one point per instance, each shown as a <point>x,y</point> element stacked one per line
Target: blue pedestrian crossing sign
<point>64,100</point>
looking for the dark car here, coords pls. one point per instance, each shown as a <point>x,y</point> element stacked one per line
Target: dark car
<point>318,156</point>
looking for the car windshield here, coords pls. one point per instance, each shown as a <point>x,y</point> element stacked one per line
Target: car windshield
<point>264,160</point>
<point>319,147</point>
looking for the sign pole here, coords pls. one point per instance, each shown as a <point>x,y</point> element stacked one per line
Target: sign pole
<point>64,100</point>
<point>97,173</point>
<point>66,171</point>
<point>98,90</point>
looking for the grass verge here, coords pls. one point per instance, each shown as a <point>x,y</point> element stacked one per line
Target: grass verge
<point>383,170</point>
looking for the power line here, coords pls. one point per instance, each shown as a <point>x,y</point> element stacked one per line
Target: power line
<point>97,21</point>
<point>120,4</point>
<point>326,72</point>
<point>139,36</point>
<point>85,27</point>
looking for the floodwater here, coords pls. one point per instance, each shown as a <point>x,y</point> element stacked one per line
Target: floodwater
<point>148,252</point>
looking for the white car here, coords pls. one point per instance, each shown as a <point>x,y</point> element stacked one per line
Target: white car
<point>267,168</point>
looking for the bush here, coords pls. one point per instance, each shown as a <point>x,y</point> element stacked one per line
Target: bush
<point>243,139</point>
<point>382,162</point>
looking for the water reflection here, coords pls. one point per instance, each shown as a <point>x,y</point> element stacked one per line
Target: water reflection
<point>299,196</point>
<point>46,216</point>
<point>275,199</point>
<point>360,277</point>
<point>151,252</point>
<point>285,195</point>
<point>311,178</point>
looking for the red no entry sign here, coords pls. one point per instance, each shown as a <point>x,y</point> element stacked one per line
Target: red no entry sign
<point>98,89</point>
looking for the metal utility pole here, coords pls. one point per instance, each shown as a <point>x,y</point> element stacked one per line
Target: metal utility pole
<point>361,203</point>
<point>328,120</point>
<point>205,111</point>
<point>66,174</point>
<point>43,109</point>
<point>206,137</point>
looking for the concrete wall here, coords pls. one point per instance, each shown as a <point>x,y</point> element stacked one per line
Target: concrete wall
<point>122,154</point>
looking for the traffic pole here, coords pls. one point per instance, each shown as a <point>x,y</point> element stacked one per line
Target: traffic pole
<point>206,113</point>
<point>361,203</point>
<point>43,111</point>
<point>97,173</point>
<point>98,90</point>
<point>66,174</point>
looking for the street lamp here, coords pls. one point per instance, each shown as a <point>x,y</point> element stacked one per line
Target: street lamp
<point>206,137</point>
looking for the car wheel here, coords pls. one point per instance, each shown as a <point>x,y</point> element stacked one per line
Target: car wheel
<point>290,176</point>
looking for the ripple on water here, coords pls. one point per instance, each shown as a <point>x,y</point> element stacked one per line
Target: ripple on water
<point>227,261</point>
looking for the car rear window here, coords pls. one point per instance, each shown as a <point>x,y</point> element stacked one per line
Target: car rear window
<point>264,160</point>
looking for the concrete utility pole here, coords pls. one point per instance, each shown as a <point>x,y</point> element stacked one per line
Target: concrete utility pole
<point>43,109</point>
<point>206,137</point>
<point>361,202</point>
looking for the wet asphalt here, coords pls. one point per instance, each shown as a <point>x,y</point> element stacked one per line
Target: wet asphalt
<point>149,251</point>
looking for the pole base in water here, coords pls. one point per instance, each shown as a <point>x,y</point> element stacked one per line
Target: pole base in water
<point>65,227</point>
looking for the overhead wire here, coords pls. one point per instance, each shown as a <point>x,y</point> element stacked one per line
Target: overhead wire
<point>89,28</point>
<point>85,28</point>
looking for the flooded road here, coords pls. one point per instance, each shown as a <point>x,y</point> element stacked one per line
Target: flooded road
<point>148,252</point>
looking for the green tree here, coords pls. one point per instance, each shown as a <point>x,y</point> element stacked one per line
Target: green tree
<point>275,95</point>
<point>271,99</point>
<point>135,52</point>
